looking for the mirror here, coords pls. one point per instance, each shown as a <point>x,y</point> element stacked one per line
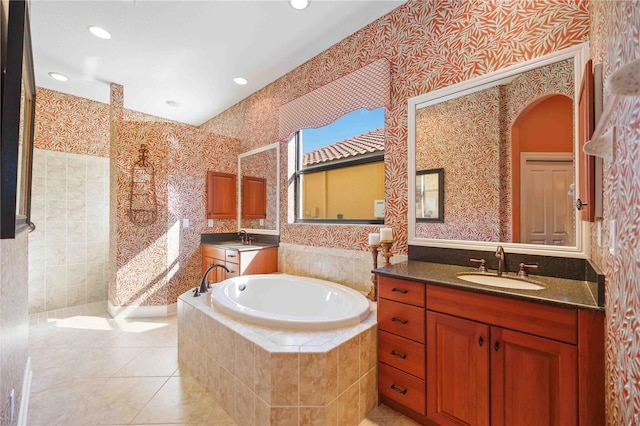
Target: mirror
<point>258,190</point>
<point>507,144</point>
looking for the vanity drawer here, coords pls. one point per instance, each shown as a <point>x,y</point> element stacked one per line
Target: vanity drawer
<point>401,353</point>
<point>232,256</point>
<point>213,252</point>
<point>401,319</point>
<point>548,321</point>
<point>402,388</point>
<point>404,291</point>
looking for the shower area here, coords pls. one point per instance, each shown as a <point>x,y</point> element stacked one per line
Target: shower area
<point>69,249</point>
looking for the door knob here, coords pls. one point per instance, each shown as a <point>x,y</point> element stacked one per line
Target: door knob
<point>580,204</point>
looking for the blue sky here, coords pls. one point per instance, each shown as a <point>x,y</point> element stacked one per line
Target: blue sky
<point>347,126</point>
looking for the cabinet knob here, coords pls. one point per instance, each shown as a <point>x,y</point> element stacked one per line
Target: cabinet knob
<point>481,341</point>
<point>496,346</point>
<point>399,390</point>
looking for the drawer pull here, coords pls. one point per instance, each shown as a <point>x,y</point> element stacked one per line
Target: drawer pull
<point>399,390</point>
<point>397,355</point>
<point>399,290</point>
<point>231,255</point>
<point>399,321</point>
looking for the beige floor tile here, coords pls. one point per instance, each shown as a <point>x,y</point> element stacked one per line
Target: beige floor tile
<point>121,399</point>
<point>90,369</point>
<point>181,400</point>
<point>151,362</point>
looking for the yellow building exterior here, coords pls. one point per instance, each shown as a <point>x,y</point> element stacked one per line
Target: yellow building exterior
<point>347,191</point>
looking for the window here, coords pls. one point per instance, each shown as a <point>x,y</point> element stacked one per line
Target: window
<point>339,170</point>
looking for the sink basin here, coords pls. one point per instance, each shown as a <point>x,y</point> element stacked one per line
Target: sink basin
<point>240,246</point>
<point>502,281</point>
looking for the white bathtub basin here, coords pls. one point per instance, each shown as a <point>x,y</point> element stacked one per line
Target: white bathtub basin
<point>290,302</point>
<point>500,281</point>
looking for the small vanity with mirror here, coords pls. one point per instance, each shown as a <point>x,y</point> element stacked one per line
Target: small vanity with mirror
<point>497,318</point>
<point>254,248</point>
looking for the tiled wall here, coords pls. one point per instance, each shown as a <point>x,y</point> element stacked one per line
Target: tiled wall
<point>14,320</point>
<point>347,267</point>
<point>614,42</point>
<point>68,251</point>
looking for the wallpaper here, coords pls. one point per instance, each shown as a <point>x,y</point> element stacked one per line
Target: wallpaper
<point>615,41</point>
<point>429,44</point>
<point>476,155</point>
<point>147,266</point>
<point>154,264</point>
<point>68,123</point>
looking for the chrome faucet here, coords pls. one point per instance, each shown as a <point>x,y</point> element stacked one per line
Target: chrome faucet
<point>242,234</point>
<point>204,285</point>
<point>501,265</point>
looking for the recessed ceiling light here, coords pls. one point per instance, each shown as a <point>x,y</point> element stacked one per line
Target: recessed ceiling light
<point>239,80</point>
<point>99,32</point>
<point>171,103</point>
<point>299,4</point>
<point>58,76</point>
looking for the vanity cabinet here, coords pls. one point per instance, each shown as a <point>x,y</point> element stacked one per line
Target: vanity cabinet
<point>239,262</point>
<point>488,360</point>
<point>221,195</point>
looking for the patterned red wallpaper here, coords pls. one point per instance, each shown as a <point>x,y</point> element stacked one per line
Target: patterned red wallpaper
<point>429,44</point>
<point>70,124</point>
<point>614,42</point>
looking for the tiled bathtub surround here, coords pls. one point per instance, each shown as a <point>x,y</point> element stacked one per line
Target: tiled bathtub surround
<point>264,377</point>
<point>68,251</point>
<point>348,267</point>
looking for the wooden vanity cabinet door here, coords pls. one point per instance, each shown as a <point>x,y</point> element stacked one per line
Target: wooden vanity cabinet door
<point>457,371</point>
<point>221,195</point>
<point>533,380</point>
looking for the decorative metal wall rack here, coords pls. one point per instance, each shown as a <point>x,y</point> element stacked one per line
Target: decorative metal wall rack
<point>143,209</point>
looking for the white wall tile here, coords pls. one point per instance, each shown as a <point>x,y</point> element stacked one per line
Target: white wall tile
<point>69,206</point>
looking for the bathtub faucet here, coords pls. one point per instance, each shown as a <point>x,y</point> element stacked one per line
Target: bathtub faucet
<point>204,285</point>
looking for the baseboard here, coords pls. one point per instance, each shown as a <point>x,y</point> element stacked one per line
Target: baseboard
<point>26,390</point>
<point>133,311</point>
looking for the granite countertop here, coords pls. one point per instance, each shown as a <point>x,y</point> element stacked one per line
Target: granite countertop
<point>237,245</point>
<point>558,291</point>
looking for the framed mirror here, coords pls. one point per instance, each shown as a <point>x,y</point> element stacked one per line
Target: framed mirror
<point>259,189</point>
<point>508,144</point>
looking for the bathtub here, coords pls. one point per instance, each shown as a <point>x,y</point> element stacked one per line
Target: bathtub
<point>290,302</point>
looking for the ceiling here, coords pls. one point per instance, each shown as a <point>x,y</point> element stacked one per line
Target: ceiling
<point>185,51</point>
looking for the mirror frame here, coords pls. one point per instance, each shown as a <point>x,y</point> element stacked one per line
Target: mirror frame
<point>580,54</point>
<point>276,231</point>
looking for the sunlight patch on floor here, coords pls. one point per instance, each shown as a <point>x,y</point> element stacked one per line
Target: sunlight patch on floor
<point>83,322</point>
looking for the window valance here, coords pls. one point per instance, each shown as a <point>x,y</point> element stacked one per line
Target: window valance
<point>367,87</point>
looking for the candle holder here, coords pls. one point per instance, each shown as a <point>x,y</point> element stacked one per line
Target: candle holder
<point>385,247</point>
<point>373,293</point>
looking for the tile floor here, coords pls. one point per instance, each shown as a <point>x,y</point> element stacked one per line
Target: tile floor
<point>91,369</point>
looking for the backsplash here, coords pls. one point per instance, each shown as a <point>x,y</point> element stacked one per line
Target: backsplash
<point>347,267</point>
